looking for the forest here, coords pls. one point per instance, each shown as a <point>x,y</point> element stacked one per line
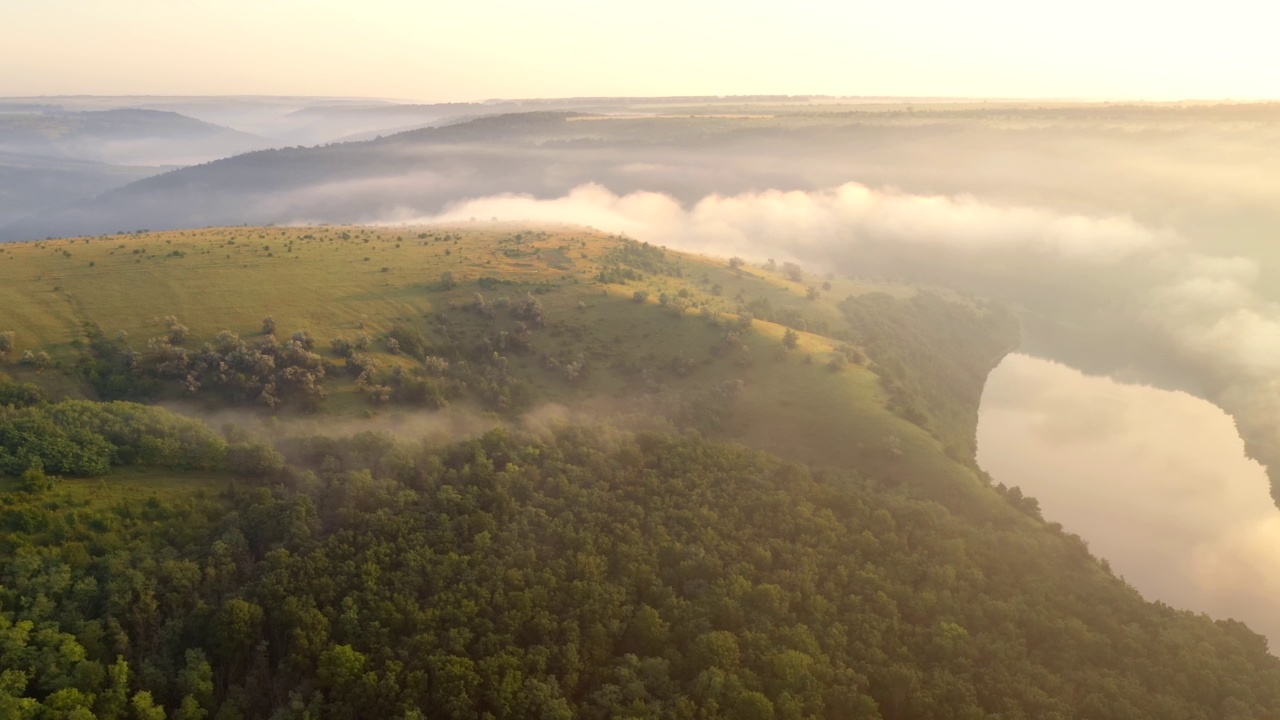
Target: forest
<point>587,573</point>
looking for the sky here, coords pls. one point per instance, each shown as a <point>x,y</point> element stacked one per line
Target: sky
<point>483,49</point>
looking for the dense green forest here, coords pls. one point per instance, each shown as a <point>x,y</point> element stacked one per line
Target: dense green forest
<point>589,573</point>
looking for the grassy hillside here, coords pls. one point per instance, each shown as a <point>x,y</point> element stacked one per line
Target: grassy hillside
<point>647,328</point>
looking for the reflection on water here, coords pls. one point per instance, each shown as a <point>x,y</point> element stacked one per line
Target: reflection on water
<point>1157,482</point>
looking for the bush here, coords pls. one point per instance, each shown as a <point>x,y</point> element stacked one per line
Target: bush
<point>34,480</point>
<point>254,460</point>
<point>19,394</point>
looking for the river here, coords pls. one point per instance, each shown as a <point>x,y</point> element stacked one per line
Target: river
<point>1157,482</point>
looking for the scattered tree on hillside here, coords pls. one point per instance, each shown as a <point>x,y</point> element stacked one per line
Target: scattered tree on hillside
<point>342,347</point>
<point>41,360</point>
<point>794,272</point>
<point>177,332</point>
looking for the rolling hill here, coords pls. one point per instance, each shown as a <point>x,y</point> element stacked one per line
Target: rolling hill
<point>51,158</point>
<point>122,136</point>
<point>535,471</point>
<point>31,184</point>
<point>344,282</point>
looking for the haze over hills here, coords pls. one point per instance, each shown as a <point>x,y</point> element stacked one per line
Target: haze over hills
<point>51,156</point>
<point>135,132</point>
<point>122,137</point>
<point>886,256</point>
<point>389,360</point>
<point>34,183</point>
<point>802,361</point>
<point>1136,239</point>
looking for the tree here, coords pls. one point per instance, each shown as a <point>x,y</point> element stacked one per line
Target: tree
<point>529,309</point>
<point>113,703</point>
<point>6,342</point>
<point>340,667</point>
<point>254,460</point>
<point>269,325</point>
<point>190,710</point>
<point>145,707</point>
<point>447,280</point>
<point>752,705</point>
<point>790,339</point>
<point>735,263</point>
<point>177,331</point>
<point>794,272</point>
<point>195,682</point>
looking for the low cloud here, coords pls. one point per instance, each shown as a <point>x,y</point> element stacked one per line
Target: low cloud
<point>800,225</point>
<point>1206,306</point>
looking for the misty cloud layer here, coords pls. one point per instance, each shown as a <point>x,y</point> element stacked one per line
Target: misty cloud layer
<point>1109,275</point>
<point>1157,482</point>
<point>809,225</point>
<point>1209,306</point>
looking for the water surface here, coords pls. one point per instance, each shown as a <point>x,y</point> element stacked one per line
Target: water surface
<point>1157,482</point>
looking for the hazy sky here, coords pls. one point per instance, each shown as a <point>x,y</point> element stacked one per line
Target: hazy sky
<point>506,48</point>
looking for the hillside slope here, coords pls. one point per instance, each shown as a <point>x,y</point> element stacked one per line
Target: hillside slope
<point>31,184</point>
<point>481,470</point>
<point>123,136</point>
<point>592,342</point>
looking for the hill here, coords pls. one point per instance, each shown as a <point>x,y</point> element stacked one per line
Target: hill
<point>51,158</point>
<point>634,320</point>
<point>123,136</point>
<point>30,184</point>
<point>516,471</point>
<point>1093,158</point>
